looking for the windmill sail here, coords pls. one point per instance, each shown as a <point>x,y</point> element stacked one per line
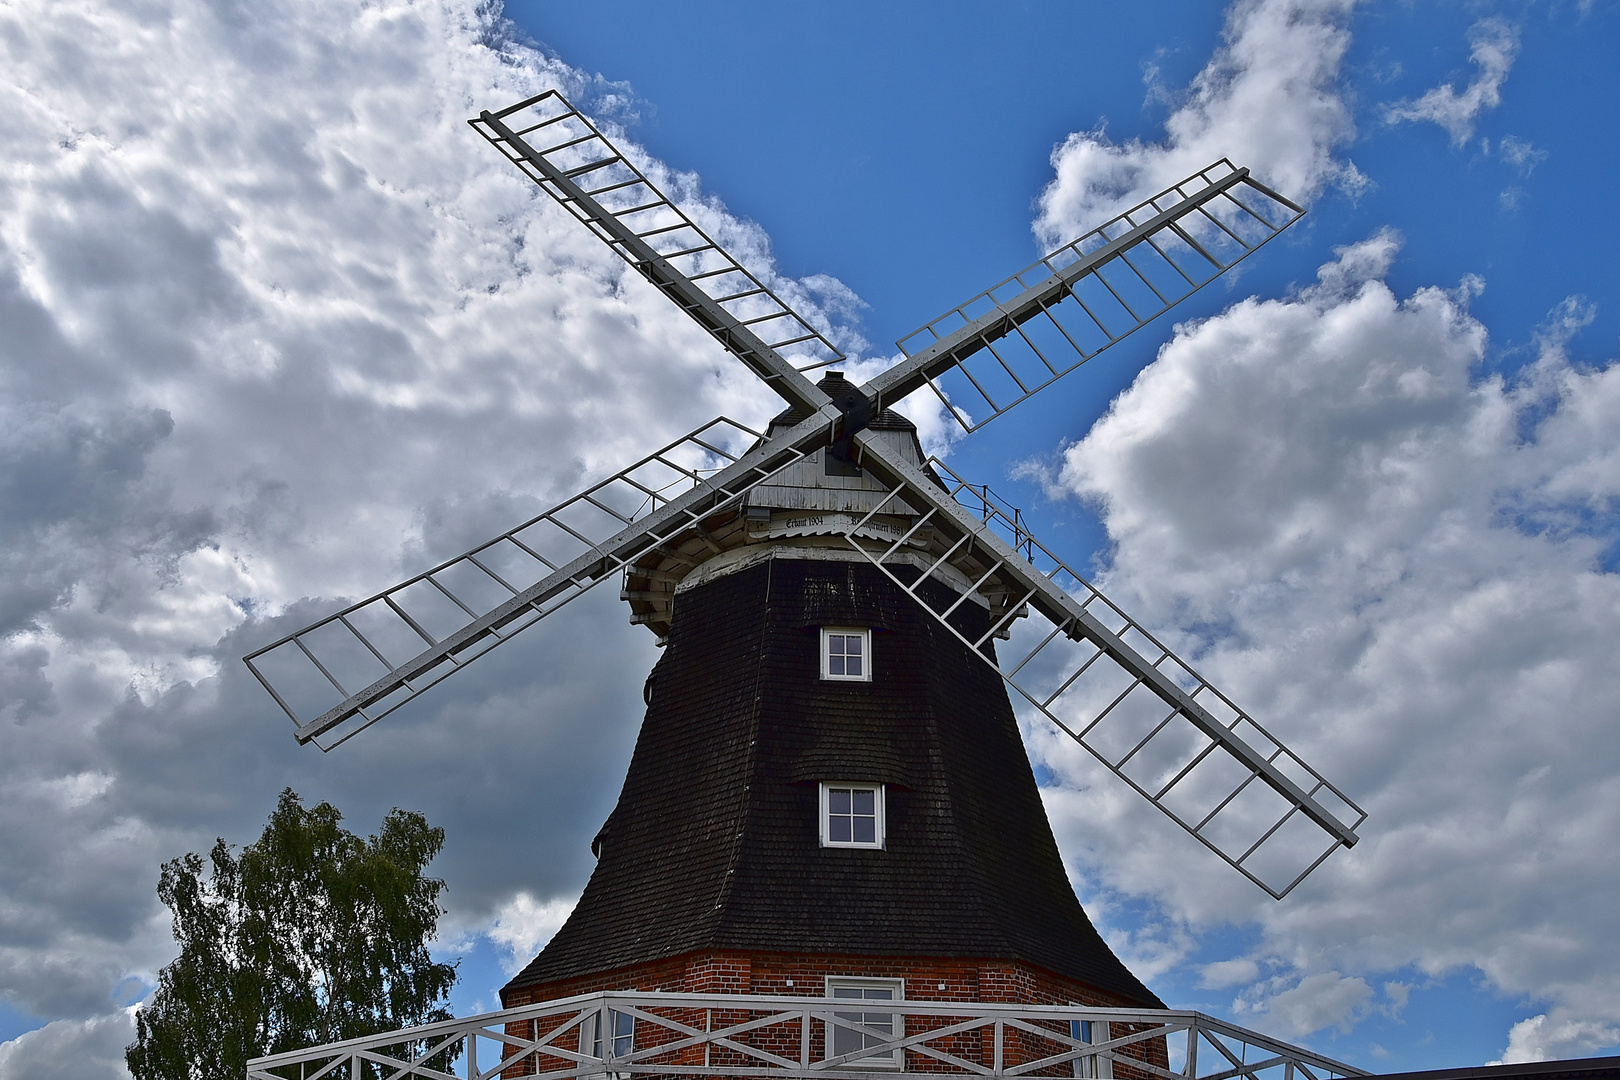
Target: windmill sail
<point>1092,670</point>
<point>986,355</point>
<point>563,152</point>
<point>1103,679</point>
<point>343,673</point>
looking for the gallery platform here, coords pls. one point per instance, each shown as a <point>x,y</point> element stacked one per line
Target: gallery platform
<point>618,1035</point>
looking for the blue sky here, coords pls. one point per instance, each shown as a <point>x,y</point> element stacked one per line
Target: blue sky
<point>280,331</point>
<point>903,154</point>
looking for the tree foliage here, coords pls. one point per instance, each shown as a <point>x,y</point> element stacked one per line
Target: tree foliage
<point>312,935</point>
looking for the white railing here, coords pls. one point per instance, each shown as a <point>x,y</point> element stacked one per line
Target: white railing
<point>614,1036</point>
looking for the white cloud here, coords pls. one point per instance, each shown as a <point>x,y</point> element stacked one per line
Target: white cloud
<point>1224,973</point>
<point>523,925</point>
<point>1494,45</point>
<point>1395,560</point>
<point>1269,98</point>
<point>279,328</point>
<point>1324,1000</point>
<point>1520,154</point>
<point>83,1049</point>
<point>1541,1038</point>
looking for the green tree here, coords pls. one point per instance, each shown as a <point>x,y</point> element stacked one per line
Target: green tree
<point>312,935</point>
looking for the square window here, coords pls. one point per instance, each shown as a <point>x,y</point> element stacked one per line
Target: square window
<point>846,654</point>
<point>855,1031</point>
<point>851,815</point>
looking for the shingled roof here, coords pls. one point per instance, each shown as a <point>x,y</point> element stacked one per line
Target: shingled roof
<point>714,843</point>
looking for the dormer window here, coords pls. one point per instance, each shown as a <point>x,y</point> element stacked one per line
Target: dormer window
<point>851,815</point>
<point>846,654</point>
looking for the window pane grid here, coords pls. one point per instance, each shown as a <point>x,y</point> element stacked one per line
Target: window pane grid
<point>623,1027</point>
<point>852,814</point>
<point>845,654</point>
<point>844,1040</point>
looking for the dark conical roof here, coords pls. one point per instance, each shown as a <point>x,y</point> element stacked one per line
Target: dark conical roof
<point>714,844</point>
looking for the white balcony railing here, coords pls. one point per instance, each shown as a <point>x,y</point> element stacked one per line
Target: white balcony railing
<point>616,1036</point>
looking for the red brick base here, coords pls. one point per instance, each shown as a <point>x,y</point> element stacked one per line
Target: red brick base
<point>926,979</point>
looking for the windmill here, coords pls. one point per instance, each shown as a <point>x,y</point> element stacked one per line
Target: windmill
<point>844,618</point>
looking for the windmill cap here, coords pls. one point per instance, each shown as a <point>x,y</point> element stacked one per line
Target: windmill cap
<point>834,384</point>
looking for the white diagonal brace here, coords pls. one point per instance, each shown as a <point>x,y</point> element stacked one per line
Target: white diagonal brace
<point>1078,623</point>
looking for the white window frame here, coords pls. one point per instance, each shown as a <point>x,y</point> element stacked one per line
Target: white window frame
<point>865,634</point>
<point>621,1042</point>
<point>1091,1031</point>
<point>825,815</point>
<point>896,1059</point>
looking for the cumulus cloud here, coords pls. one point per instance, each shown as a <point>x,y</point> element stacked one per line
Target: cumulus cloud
<point>1269,99</point>
<point>523,925</point>
<point>84,1049</point>
<point>1324,1000</point>
<point>1539,1038</point>
<point>1398,561</point>
<point>1224,973</point>
<point>1493,46</point>
<point>280,328</point>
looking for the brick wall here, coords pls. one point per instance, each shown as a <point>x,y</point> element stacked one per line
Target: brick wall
<point>926,979</point>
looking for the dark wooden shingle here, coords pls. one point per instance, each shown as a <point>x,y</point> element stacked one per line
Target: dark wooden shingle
<point>714,843</point>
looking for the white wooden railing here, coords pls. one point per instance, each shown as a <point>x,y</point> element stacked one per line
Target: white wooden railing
<point>619,1035</point>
